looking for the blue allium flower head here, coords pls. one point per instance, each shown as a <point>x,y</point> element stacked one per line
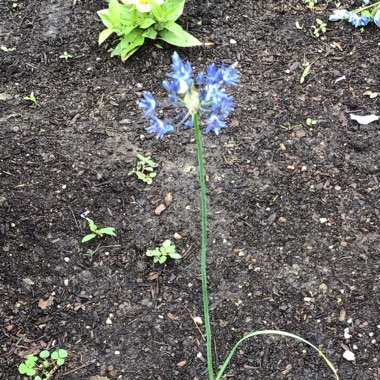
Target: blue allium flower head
<point>149,103</point>
<point>358,20</point>
<point>205,96</point>
<point>376,18</point>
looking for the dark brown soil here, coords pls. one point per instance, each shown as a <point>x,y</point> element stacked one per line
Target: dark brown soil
<point>294,216</point>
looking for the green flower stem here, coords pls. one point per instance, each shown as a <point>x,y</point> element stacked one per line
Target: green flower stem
<point>198,140</point>
<point>366,7</point>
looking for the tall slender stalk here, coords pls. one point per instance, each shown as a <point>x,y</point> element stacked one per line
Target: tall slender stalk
<point>202,181</point>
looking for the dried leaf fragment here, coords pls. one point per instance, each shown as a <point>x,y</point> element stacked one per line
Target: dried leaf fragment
<point>160,209</point>
<point>44,304</point>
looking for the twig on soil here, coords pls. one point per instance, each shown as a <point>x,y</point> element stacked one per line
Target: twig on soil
<point>195,323</point>
<point>78,368</point>
<point>75,219</point>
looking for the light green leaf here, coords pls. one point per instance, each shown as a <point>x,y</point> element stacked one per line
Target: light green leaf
<point>93,227</point>
<point>167,243</point>
<point>175,35</point>
<point>60,361</point>
<point>107,231</point>
<point>55,355</point>
<point>153,252</point>
<point>173,9</point>
<point>62,353</point>
<point>117,50</point>
<point>146,23</point>
<point>22,368</point>
<point>130,43</point>
<point>30,372</point>
<point>175,256</point>
<point>104,35</point>
<point>114,12</point>
<point>150,33</point>
<point>38,378</point>
<point>106,19</point>
<point>88,237</point>
<point>162,259</point>
<point>157,10</point>
<point>44,354</point>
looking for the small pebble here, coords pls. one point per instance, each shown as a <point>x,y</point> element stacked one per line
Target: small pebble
<point>66,259</point>
<point>198,320</point>
<point>348,355</point>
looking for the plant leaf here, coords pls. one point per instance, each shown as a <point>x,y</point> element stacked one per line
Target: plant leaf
<point>60,361</point>
<point>107,231</point>
<point>88,237</point>
<point>150,33</point>
<point>114,12</point>
<point>93,227</point>
<point>153,252</point>
<point>44,354</point>
<point>173,9</point>
<point>104,35</point>
<point>62,353</point>
<point>54,355</point>
<point>145,23</point>
<point>167,243</point>
<point>175,256</point>
<point>30,372</point>
<point>157,10</point>
<point>175,35</point>
<point>22,368</point>
<point>162,259</point>
<point>106,19</point>
<point>131,42</point>
<point>272,332</point>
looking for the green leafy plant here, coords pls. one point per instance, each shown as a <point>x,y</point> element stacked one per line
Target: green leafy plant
<point>306,71</point>
<point>65,56</point>
<point>144,169</point>
<point>133,21</point>
<point>287,127</point>
<point>43,366</point>
<point>97,232</point>
<point>31,98</point>
<point>161,254</point>
<point>319,28</point>
<point>310,121</point>
<point>310,3</point>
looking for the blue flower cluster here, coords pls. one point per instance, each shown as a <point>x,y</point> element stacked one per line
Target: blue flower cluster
<point>205,95</point>
<point>360,17</point>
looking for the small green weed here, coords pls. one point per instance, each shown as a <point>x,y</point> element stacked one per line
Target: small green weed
<point>65,56</point>
<point>161,254</point>
<point>290,127</point>
<point>43,366</point>
<point>97,232</point>
<point>7,49</point>
<point>31,98</point>
<point>310,121</point>
<point>306,71</point>
<point>310,3</point>
<point>319,29</point>
<point>144,169</point>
